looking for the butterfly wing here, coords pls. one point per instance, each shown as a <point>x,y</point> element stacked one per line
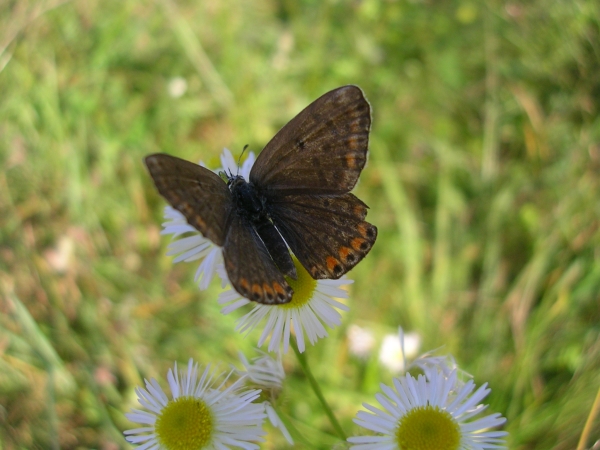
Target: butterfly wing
<point>328,234</point>
<point>250,269</point>
<point>320,151</point>
<point>206,202</point>
<point>196,192</point>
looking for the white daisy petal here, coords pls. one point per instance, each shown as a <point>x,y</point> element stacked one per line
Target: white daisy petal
<point>277,423</point>
<point>247,166</point>
<point>228,163</point>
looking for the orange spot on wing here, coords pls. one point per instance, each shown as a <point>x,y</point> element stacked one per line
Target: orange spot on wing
<point>268,290</point>
<point>279,288</point>
<point>356,127</point>
<point>353,143</point>
<point>344,252</point>
<point>199,222</point>
<point>350,161</point>
<point>356,243</point>
<point>358,210</point>
<point>244,284</point>
<point>331,263</point>
<point>363,229</point>
<point>257,289</point>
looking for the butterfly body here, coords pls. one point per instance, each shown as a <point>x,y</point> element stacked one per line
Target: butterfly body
<point>253,209</point>
<point>297,198</point>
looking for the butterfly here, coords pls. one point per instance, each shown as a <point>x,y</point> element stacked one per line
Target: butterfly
<point>297,198</point>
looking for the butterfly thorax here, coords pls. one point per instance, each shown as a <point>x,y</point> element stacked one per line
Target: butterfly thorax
<point>248,201</point>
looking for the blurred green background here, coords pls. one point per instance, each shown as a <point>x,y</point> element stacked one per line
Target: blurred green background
<point>483,179</point>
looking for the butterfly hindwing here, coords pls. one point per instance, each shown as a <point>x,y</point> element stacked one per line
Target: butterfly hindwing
<point>321,151</point>
<point>196,192</point>
<point>249,267</point>
<point>328,234</point>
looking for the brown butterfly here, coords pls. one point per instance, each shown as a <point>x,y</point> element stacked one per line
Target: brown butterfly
<point>297,198</point>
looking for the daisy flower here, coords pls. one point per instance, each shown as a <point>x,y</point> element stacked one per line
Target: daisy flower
<point>199,416</point>
<point>268,374</point>
<point>313,304</point>
<point>429,413</point>
<point>264,371</point>
<point>194,246</point>
<point>396,348</point>
<point>360,341</point>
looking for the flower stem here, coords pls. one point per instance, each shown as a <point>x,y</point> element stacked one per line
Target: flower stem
<point>317,390</point>
<point>587,429</point>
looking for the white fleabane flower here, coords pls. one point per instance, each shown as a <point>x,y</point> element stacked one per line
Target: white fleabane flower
<point>199,416</point>
<point>267,372</point>
<point>360,341</point>
<point>177,87</point>
<point>194,246</point>
<point>396,348</point>
<point>264,371</point>
<point>409,344</point>
<point>313,305</point>
<point>429,414</point>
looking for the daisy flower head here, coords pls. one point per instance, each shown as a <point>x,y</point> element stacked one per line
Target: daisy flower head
<point>194,246</point>
<point>199,415</point>
<point>429,413</point>
<point>313,305</point>
<point>264,371</point>
<point>267,373</point>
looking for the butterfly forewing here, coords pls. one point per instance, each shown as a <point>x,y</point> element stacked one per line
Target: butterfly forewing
<point>328,235</point>
<point>249,267</point>
<point>320,151</point>
<point>196,192</point>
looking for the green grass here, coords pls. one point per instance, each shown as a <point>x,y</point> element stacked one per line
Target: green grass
<point>483,179</point>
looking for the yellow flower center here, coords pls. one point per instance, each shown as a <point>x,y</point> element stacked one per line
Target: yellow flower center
<point>304,287</point>
<point>428,428</point>
<point>185,423</point>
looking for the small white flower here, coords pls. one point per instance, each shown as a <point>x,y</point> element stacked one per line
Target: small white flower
<point>360,341</point>
<point>409,346</point>
<point>264,371</point>
<point>313,304</point>
<point>177,87</point>
<point>199,416</point>
<point>267,372</point>
<point>429,413</point>
<point>194,246</point>
<point>396,348</point>
<point>444,364</point>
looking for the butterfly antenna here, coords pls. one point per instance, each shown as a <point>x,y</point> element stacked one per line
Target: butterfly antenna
<point>240,158</point>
